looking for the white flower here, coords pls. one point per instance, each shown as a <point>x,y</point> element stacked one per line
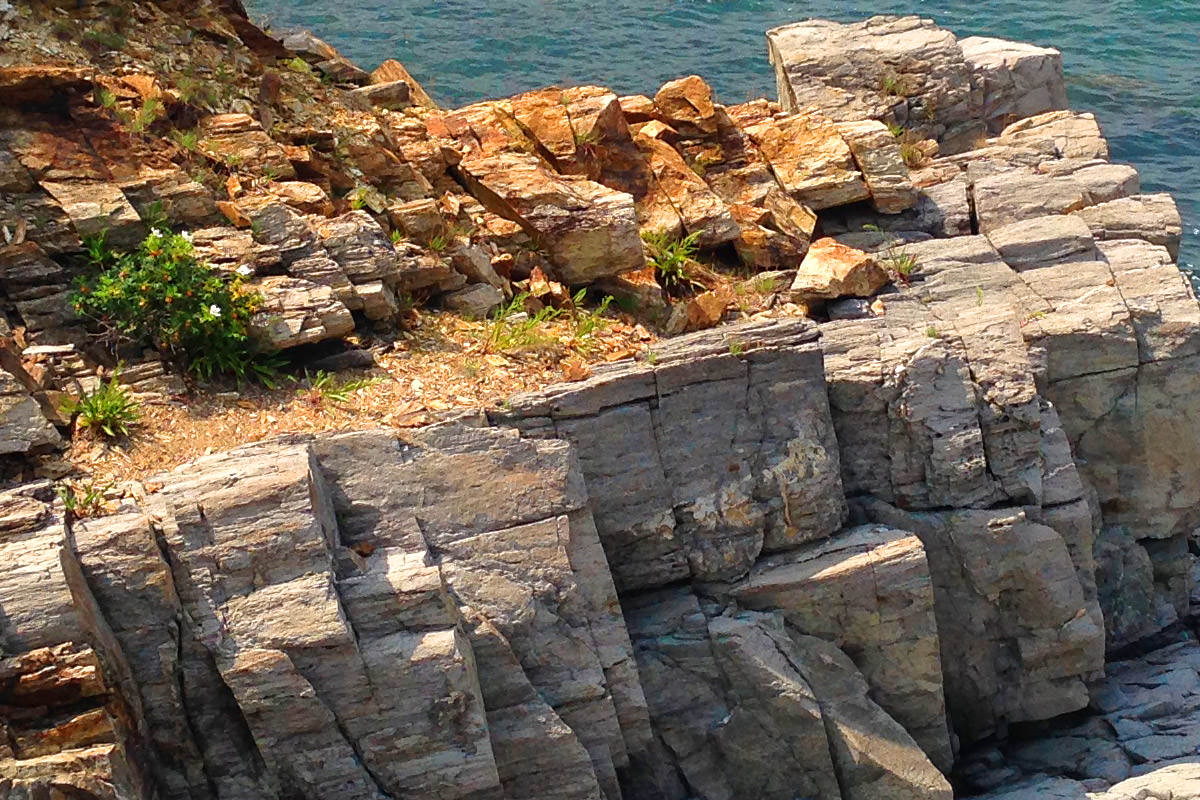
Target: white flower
<point>187,236</point>
<point>159,232</point>
<point>215,310</point>
<point>244,271</point>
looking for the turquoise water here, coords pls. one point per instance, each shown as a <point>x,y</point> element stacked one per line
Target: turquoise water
<point>1135,63</point>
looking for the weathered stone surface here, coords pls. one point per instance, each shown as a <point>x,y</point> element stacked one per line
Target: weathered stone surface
<point>1014,195</point>
<point>769,736</point>
<point>360,247</point>
<point>23,426</point>
<point>570,644</point>
<point>391,71</point>
<point>877,154</point>
<point>687,106</point>
<point>240,139</point>
<point>1025,658</point>
<point>1069,134</point>
<point>96,208</point>
<point>1018,80</point>
<point>766,478</point>
<point>699,208</point>
<point>63,673</point>
<point>885,67</point>
<point>810,158</point>
<point>392,95</point>
<point>868,590</point>
<point>296,312</point>
<point>830,270</point>
<point>312,671</point>
<point>1043,241</point>
<point>1152,217</point>
<point>873,755</point>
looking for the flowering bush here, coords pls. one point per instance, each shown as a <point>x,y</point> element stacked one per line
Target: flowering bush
<point>162,295</point>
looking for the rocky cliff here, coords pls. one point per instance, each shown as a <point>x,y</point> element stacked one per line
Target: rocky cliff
<point>840,550</point>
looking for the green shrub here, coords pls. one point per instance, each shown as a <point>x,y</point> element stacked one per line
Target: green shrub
<point>163,296</point>
<point>109,409</point>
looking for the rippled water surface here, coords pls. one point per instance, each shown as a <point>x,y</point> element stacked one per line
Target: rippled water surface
<point>1135,63</point>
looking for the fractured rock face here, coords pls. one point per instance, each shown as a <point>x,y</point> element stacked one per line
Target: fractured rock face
<point>868,590</point>
<point>665,509</point>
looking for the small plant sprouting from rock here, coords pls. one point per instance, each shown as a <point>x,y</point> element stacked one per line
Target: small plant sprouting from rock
<point>109,410</point>
<point>736,347</point>
<point>188,140</point>
<point>325,386</point>
<point>670,258</point>
<point>359,198</point>
<point>913,155</point>
<point>82,499</point>
<point>162,295</point>
<point>932,333</point>
<point>588,323</point>
<point>893,85</point>
<point>512,328</point>
<point>900,266</point>
<point>439,242</point>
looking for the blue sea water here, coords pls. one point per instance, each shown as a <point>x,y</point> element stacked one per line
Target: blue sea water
<point>1135,63</point>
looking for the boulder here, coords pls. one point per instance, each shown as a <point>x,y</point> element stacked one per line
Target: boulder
<point>687,106</point>
<point>1018,80</point>
<point>23,426</point>
<point>588,230</point>
<point>391,95</point>
<point>831,270</point>
<point>1067,134</point>
<point>296,312</point>
<point>476,301</point>
<point>392,71</point>
<point>98,208</point>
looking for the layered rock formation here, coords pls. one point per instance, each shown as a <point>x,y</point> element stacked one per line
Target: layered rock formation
<point>786,558</point>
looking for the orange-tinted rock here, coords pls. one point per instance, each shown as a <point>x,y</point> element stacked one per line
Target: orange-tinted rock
<point>588,230</point>
<point>697,313</point>
<point>687,105</point>
<point>240,139</point>
<point>762,248</point>
<point>832,269</point>
<point>543,114</point>
<point>637,108</point>
<point>700,209</point>
<point>417,219</point>
<point>306,197</point>
<point>37,83</point>
<point>391,71</point>
<point>654,129</point>
<point>810,159</point>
